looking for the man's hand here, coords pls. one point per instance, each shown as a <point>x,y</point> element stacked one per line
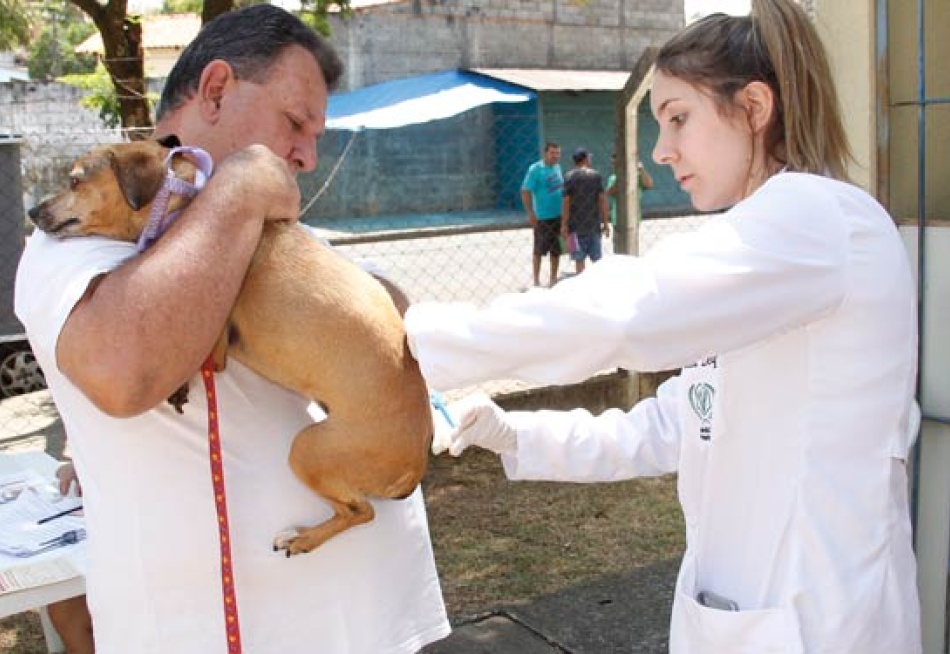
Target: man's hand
<point>264,181</point>
<point>66,474</point>
<point>483,423</point>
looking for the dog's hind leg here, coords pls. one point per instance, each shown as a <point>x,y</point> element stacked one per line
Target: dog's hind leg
<point>322,458</point>
<point>305,539</point>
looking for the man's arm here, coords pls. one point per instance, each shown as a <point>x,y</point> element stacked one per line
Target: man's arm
<point>528,201</point>
<point>142,330</point>
<point>646,182</point>
<point>565,214</point>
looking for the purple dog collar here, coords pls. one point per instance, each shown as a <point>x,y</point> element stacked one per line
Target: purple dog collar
<point>158,220</point>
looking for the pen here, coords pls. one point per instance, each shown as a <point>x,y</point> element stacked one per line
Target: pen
<point>43,521</point>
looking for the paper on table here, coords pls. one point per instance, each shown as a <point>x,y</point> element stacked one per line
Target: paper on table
<point>20,535</point>
<point>13,483</point>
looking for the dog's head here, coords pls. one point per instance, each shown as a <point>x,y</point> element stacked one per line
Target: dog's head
<point>110,191</point>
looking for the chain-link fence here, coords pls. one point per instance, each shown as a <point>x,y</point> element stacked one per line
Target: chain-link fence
<point>469,252</point>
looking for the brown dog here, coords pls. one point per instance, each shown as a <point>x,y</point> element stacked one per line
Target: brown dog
<point>327,330</point>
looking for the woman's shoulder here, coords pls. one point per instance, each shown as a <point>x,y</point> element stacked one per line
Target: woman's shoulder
<point>814,203</point>
<point>815,192</point>
<point>809,182</point>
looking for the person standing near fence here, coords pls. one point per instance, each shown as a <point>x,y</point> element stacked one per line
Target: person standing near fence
<point>541,196</point>
<point>644,182</point>
<point>117,332</point>
<point>793,317</point>
<point>584,215</point>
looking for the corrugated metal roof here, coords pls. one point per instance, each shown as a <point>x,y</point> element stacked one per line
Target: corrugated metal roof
<point>546,79</point>
<point>418,99</point>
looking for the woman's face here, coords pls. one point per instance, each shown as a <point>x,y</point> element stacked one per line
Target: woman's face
<point>711,154</point>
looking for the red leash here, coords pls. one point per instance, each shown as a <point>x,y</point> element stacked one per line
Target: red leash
<point>158,222</point>
<point>231,624</point>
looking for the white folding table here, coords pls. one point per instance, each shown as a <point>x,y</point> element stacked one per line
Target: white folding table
<point>38,597</point>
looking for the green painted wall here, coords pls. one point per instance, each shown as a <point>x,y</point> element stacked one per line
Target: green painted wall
<point>588,118</point>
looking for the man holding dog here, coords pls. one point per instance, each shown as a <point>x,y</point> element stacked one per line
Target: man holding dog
<point>117,333</point>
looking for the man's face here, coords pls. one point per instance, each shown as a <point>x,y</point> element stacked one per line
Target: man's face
<point>286,113</point>
<point>552,156</point>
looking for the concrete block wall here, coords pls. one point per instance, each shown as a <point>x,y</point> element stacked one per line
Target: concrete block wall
<point>38,107</point>
<point>413,37</point>
<point>55,129</point>
<point>444,165</point>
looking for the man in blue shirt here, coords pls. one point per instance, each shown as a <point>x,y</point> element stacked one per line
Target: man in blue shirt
<point>541,195</point>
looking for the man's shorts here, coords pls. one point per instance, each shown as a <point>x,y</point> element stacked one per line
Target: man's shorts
<point>547,237</point>
<point>588,245</point>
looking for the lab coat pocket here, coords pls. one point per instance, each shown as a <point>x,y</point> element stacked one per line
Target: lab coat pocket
<point>698,629</point>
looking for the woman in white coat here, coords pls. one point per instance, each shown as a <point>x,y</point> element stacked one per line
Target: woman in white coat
<point>792,316</point>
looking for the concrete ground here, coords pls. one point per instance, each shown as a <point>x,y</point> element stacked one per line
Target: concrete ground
<point>626,613</point>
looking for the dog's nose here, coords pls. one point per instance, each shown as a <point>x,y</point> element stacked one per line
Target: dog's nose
<point>34,212</point>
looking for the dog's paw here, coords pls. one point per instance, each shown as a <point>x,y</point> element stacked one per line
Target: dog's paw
<point>283,538</point>
<point>179,398</point>
<point>289,541</point>
<point>297,541</point>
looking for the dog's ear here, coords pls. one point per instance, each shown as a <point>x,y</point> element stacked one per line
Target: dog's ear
<point>140,175</point>
<point>170,141</point>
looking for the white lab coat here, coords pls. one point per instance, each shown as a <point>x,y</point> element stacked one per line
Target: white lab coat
<point>790,435</point>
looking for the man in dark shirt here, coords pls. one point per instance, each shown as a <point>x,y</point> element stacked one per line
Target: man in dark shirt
<point>584,214</point>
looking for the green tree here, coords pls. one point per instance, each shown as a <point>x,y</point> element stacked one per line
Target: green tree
<point>15,20</point>
<point>316,13</point>
<point>100,94</point>
<point>122,43</point>
<point>181,7</point>
<point>52,53</point>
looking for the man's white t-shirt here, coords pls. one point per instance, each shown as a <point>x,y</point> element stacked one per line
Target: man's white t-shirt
<point>153,578</point>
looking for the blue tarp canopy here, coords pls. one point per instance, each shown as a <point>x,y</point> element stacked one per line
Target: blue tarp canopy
<point>418,100</point>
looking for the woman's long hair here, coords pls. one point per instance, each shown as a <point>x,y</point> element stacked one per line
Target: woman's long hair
<point>776,44</point>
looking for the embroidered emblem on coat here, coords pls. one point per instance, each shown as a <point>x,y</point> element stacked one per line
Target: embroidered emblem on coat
<point>701,395</point>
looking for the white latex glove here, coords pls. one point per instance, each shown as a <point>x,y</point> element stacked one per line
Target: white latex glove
<point>481,422</point>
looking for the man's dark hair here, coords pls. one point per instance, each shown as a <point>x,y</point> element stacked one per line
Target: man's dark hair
<point>250,40</point>
<point>550,145</point>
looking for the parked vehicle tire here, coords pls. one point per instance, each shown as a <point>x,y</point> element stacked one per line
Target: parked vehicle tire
<point>19,371</point>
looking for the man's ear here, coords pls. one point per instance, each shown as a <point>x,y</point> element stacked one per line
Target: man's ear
<point>215,82</point>
<point>759,103</point>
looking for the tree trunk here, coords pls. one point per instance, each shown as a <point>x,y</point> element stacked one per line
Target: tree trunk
<point>123,58</point>
<point>213,8</point>
<point>127,70</point>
